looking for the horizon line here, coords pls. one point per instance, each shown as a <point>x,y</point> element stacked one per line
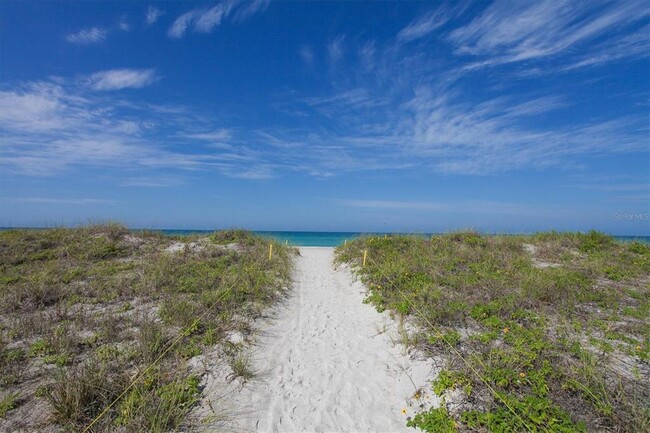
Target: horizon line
<point>4,228</point>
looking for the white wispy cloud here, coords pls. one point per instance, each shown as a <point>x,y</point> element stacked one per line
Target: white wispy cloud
<point>153,14</point>
<point>386,106</point>
<point>401,106</point>
<point>424,25</point>
<point>153,181</point>
<point>335,49</point>
<point>470,206</point>
<point>37,107</point>
<point>204,20</point>
<point>307,55</point>
<point>52,127</point>
<point>54,200</point>
<point>367,55</point>
<point>211,18</point>
<point>92,35</point>
<point>180,25</point>
<point>48,128</point>
<point>260,172</point>
<point>492,136</point>
<point>116,79</point>
<point>516,31</point>
<point>218,135</point>
<point>251,8</point>
<point>439,130</point>
<point>628,46</point>
<point>616,187</point>
<point>347,101</point>
<point>123,24</point>
<point>393,204</point>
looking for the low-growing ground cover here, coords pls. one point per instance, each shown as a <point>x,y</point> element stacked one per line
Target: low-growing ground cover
<point>549,332</point>
<point>84,312</point>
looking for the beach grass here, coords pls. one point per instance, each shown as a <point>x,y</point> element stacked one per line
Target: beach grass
<point>86,311</point>
<point>549,332</point>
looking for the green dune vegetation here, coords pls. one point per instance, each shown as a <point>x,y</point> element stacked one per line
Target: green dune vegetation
<point>549,332</point>
<point>91,314</point>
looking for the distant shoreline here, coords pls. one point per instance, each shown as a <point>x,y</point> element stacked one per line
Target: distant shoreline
<point>326,238</point>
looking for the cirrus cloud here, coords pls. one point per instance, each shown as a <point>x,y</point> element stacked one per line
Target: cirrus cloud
<point>92,35</point>
<point>116,79</point>
<point>204,20</point>
<point>508,32</point>
<point>153,13</point>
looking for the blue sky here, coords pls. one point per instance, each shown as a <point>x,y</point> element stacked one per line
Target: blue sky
<point>505,116</point>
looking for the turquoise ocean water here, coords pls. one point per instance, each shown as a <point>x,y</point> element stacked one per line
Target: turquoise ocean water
<point>299,239</point>
<point>326,239</point>
<point>333,239</point>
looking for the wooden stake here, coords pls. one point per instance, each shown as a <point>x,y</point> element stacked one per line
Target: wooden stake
<point>365,254</point>
<point>270,251</point>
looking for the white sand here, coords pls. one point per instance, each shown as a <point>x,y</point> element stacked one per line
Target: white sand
<point>326,363</point>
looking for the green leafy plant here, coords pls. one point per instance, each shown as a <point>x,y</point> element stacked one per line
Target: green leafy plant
<point>7,403</point>
<point>435,420</point>
<point>526,305</point>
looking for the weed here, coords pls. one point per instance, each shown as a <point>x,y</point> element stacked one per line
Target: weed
<point>78,394</point>
<point>189,349</point>
<point>436,420</point>
<point>40,348</point>
<point>242,367</point>
<point>7,403</point>
<point>83,310</point>
<point>529,323</point>
<point>237,236</point>
<point>151,341</point>
<point>451,338</point>
<point>448,380</point>
<point>11,361</point>
<point>534,414</point>
<point>155,407</point>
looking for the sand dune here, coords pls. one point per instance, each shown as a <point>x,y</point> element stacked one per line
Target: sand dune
<point>327,362</point>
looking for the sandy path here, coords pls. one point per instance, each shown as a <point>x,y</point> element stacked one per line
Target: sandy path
<point>326,365</point>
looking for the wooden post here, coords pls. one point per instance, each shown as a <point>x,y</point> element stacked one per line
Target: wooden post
<point>270,251</point>
<point>365,254</point>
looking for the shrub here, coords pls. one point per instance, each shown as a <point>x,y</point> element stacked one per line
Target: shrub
<point>79,393</point>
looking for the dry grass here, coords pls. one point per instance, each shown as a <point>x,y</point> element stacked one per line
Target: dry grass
<point>84,311</point>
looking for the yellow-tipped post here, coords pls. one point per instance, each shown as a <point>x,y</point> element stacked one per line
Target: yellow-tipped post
<point>270,251</point>
<point>365,255</point>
